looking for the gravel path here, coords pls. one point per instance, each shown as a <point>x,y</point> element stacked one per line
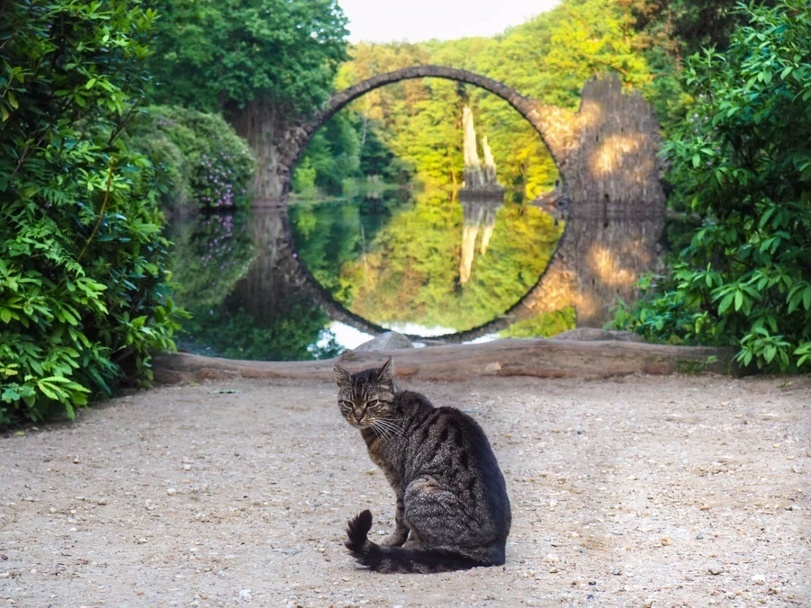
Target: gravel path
<point>643,491</point>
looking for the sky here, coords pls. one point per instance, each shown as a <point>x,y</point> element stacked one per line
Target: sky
<point>422,20</point>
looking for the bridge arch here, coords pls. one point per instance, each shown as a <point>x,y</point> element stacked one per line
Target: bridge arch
<point>301,135</point>
<point>607,157</point>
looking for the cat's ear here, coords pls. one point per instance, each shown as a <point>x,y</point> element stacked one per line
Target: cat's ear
<point>386,373</point>
<point>342,377</point>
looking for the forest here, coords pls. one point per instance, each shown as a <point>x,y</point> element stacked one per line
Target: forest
<point>116,113</point>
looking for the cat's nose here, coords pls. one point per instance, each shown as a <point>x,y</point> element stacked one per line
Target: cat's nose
<point>358,414</point>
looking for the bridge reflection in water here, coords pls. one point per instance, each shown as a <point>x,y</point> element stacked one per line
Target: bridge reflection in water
<point>283,274</point>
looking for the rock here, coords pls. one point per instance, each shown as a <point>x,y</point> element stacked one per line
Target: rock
<point>715,569</point>
<point>390,340</point>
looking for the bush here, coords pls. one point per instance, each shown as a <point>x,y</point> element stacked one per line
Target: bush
<point>744,161</point>
<point>207,163</point>
<point>84,297</point>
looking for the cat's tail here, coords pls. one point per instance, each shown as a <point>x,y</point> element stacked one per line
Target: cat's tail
<point>397,559</point>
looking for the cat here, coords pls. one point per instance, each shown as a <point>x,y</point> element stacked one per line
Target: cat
<point>452,511</point>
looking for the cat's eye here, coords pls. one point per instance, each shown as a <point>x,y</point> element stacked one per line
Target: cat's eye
<point>373,403</point>
<point>345,404</point>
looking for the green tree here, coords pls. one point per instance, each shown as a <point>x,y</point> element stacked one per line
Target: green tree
<point>332,156</point>
<point>260,62</point>
<point>743,158</point>
<point>84,299</point>
<point>215,56</point>
<point>682,28</point>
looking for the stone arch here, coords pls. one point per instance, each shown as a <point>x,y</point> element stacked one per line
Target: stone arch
<point>299,136</point>
<point>606,154</point>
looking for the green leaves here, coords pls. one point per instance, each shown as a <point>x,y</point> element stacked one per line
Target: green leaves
<point>81,248</point>
<point>742,158</point>
<point>216,55</point>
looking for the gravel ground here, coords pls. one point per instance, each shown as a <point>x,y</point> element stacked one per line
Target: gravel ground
<point>642,491</point>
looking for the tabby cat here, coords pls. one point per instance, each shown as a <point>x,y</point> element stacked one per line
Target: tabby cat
<point>452,511</point>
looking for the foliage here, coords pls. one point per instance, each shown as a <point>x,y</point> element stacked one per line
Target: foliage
<point>543,325</point>
<point>297,335</point>
<point>332,157</point>
<point>207,164</point>
<point>667,31</point>
<point>84,298</point>
<point>744,160</point>
<point>222,55</point>
<point>682,28</point>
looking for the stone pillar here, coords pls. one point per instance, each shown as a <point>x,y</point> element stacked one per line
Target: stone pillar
<point>607,157</point>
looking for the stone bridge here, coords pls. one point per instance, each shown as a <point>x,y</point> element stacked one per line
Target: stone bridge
<point>294,142</point>
<point>606,154</point>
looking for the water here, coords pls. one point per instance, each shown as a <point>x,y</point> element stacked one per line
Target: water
<point>308,280</point>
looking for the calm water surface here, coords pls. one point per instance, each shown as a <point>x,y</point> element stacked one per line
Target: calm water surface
<point>424,263</point>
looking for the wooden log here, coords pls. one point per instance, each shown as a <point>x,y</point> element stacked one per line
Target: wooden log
<point>536,357</point>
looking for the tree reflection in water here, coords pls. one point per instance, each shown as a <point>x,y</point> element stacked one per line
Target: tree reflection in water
<point>419,267</point>
<point>261,285</point>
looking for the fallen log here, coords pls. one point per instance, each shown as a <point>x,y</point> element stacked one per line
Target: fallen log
<point>542,358</point>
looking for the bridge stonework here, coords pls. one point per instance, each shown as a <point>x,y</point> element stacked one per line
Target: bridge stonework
<point>606,154</point>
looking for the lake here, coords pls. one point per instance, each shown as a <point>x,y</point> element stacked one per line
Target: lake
<point>319,275</point>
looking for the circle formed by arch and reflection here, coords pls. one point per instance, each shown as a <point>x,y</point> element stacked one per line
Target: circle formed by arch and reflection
<point>483,227</point>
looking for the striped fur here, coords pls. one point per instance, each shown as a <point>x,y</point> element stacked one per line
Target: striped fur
<point>452,510</point>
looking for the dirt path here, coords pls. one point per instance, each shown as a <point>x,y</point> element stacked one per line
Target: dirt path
<point>643,491</point>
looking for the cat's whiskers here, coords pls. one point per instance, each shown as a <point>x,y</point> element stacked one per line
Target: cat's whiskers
<point>387,428</point>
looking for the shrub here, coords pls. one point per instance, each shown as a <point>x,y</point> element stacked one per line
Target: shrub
<point>743,158</point>
<point>207,163</point>
<point>84,297</point>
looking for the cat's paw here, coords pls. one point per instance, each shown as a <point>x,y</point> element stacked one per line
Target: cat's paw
<point>412,544</point>
<point>394,540</point>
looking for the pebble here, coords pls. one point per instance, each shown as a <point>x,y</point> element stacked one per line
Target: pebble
<point>715,569</point>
